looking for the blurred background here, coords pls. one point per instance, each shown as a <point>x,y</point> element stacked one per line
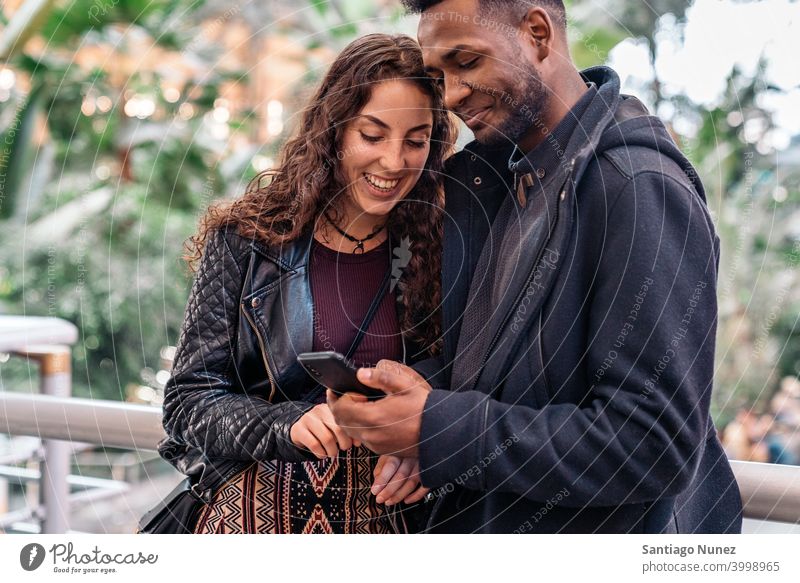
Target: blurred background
<point>121,120</point>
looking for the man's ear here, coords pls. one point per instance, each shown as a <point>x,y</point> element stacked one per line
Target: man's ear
<point>538,32</point>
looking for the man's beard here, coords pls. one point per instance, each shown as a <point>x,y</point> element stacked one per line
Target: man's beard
<point>530,97</point>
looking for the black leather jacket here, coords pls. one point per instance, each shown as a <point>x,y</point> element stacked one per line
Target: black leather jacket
<point>236,387</point>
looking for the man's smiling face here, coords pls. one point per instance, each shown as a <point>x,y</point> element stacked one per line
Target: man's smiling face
<point>479,59</point>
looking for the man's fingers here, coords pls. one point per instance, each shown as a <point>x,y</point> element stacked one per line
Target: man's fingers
<point>398,481</point>
<point>352,414</point>
<point>408,467</point>
<point>417,495</point>
<point>410,470</point>
<point>379,465</point>
<point>401,369</point>
<point>333,397</point>
<point>384,472</point>
<point>392,377</point>
<point>406,489</point>
<point>388,381</point>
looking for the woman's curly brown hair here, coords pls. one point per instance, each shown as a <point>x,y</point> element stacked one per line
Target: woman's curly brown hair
<point>280,205</point>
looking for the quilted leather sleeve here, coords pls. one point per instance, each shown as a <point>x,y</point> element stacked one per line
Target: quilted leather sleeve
<point>202,406</point>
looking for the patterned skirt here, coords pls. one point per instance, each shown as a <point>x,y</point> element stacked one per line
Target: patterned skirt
<point>327,496</point>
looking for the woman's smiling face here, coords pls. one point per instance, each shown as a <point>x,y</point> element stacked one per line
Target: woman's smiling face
<point>385,147</point>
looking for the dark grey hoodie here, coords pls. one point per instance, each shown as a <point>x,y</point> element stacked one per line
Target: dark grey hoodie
<point>574,387</point>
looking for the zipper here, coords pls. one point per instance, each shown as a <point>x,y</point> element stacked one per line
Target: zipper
<point>263,353</point>
<point>522,292</point>
<point>483,442</point>
<point>548,392</point>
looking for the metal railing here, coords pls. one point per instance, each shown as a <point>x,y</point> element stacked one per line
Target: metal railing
<point>769,492</point>
<point>105,423</point>
<point>84,421</point>
<point>46,342</point>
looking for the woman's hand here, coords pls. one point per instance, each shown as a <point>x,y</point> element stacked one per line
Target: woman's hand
<point>397,480</point>
<point>318,432</point>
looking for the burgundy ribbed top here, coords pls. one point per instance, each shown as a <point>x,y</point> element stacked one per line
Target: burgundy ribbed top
<point>342,288</point>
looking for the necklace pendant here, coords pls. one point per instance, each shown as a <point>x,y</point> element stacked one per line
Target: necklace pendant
<point>359,248</point>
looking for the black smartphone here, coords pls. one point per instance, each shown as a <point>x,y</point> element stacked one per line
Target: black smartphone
<point>334,371</point>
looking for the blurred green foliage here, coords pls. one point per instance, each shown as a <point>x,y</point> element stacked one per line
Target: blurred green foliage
<point>116,271</point>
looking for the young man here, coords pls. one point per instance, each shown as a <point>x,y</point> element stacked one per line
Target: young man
<point>579,277</point>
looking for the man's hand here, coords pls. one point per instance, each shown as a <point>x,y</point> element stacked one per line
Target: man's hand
<point>318,432</point>
<point>390,425</point>
<point>397,480</point>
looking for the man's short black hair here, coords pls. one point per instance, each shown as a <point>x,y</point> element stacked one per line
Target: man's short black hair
<point>511,9</point>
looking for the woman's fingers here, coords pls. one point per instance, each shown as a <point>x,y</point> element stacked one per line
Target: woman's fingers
<point>343,440</point>
<point>324,435</point>
<point>302,437</point>
<point>318,432</point>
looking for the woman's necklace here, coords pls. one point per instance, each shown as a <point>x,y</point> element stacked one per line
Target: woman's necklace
<point>359,248</point>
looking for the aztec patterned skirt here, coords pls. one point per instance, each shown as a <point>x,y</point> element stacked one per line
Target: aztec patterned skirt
<point>327,496</point>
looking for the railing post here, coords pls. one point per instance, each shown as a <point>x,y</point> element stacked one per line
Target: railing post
<point>55,372</point>
<point>3,496</point>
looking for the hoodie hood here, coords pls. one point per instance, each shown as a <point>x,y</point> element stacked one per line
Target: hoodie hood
<point>631,124</point>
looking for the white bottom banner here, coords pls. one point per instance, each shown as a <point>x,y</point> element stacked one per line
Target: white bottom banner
<point>388,559</point>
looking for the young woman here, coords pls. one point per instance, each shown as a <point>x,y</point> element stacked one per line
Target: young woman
<point>344,236</point>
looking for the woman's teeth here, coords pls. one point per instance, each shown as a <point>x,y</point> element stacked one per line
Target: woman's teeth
<point>381,184</point>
